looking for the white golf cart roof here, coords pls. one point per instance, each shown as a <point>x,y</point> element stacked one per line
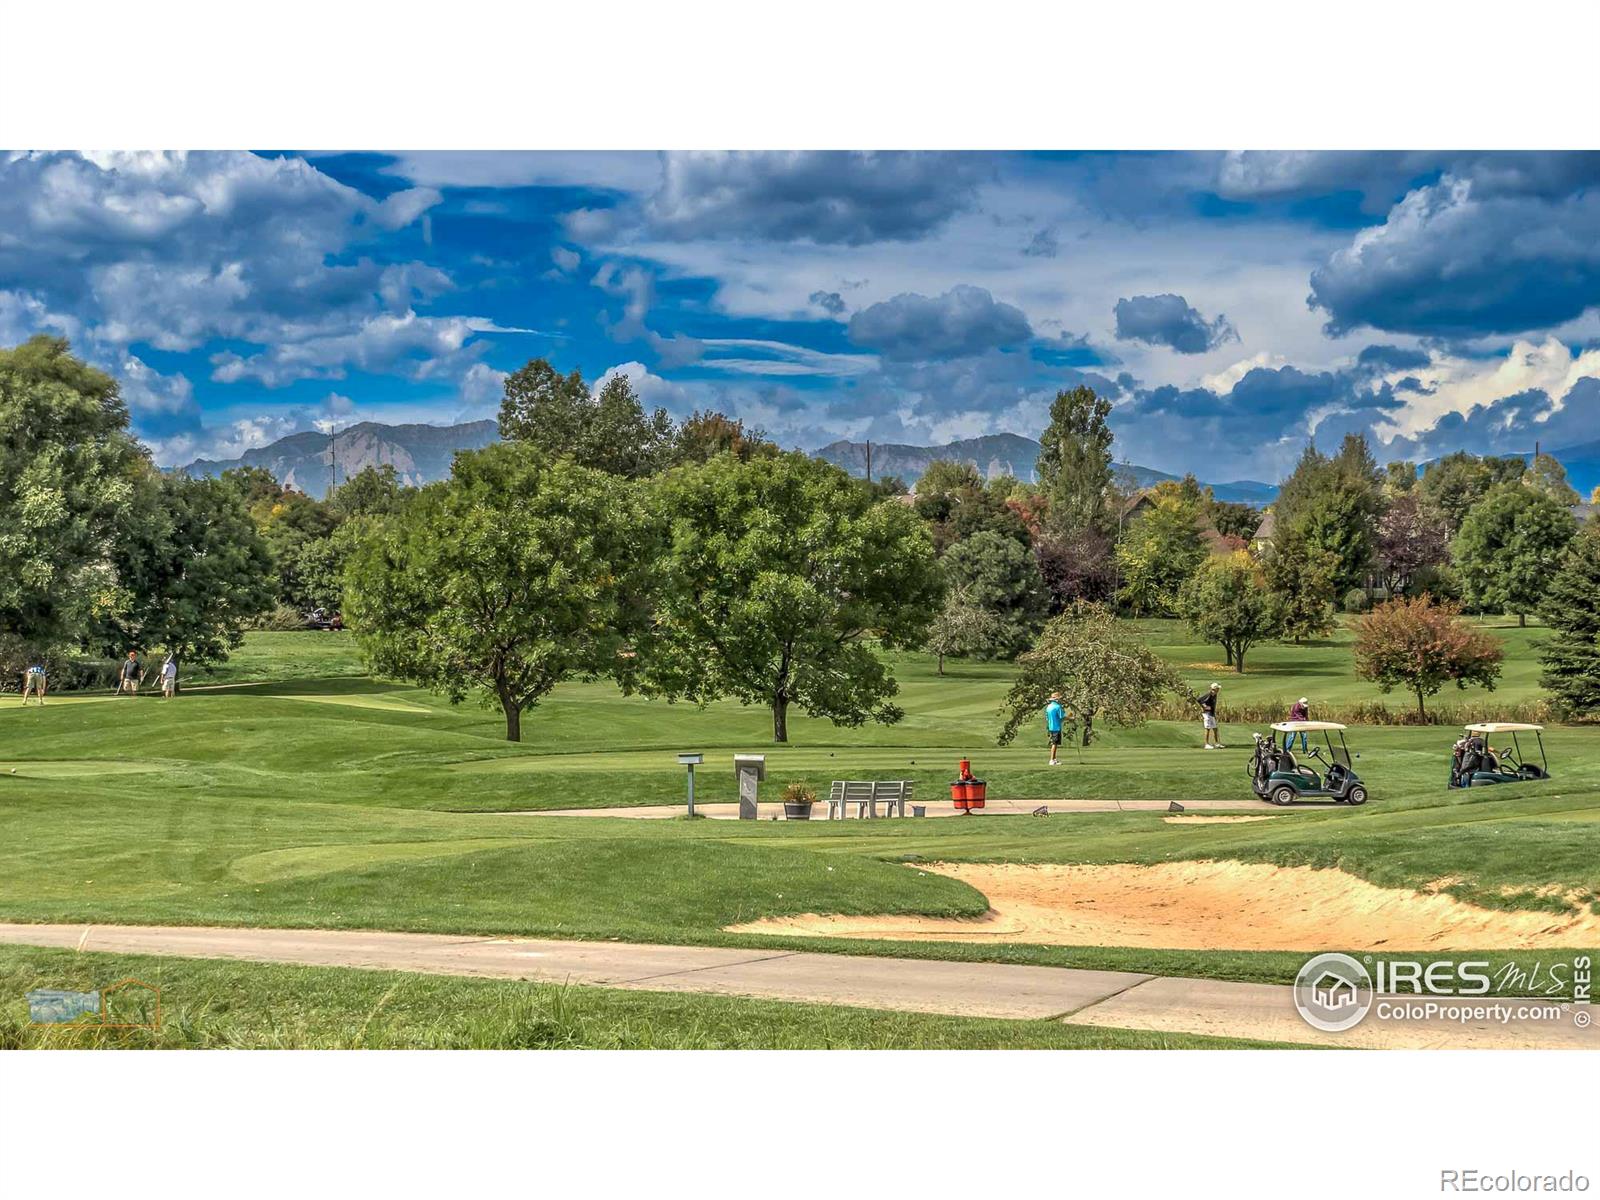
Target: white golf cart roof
<point>1504,727</point>
<point>1305,726</point>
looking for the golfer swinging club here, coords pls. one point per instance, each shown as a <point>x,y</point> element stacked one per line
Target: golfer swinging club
<point>1055,716</point>
<point>1208,717</point>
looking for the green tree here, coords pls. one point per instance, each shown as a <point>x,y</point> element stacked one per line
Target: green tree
<point>1456,482</point>
<point>1571,657</point>
<point>1001,576</point>
<point>1421,645</point>
<point>1074,466</point>
<point>194,567</point>
<point>1510,546</point>
<point>1547,475</point>
<point>1102,667</point>
<point>1301,580</point>
<point>1158,550</point>
<point>1227,601</point>
<point>778,571</point>
<point>1230,519</point>
<point>67,472</point>
<point>503,581</point>
<point>963,629</point>
<point>289,522</point>
<point>955,502</point>
<point>1399,478</point>
<point>609,431</point>
<point>373,491</point>
<point>1333,504</point>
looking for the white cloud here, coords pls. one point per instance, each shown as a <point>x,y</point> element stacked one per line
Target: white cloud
<point>1456,385</point>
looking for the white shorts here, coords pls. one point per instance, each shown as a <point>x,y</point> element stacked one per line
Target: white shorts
<point>1207,721</point>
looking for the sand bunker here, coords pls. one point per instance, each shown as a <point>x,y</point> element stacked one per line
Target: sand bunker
<point>1205,906</point>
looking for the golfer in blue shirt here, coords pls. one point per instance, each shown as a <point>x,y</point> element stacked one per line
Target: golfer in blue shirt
<point>1055,715</point>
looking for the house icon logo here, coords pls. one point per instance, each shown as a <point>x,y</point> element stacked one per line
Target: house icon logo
<point>1333,992</point>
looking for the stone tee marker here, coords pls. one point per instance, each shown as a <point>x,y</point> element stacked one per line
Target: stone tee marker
<point>751,769</point>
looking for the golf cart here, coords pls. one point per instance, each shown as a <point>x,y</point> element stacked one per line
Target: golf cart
<point>1276,775</point>
<point>1475,762</point>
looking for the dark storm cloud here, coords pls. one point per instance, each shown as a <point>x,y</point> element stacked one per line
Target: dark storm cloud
<point>828,302</point>
<point>964,321</point>
<point>1495,253</point>
<point>1171,321</point>
<point>1382,177</point>
<point>1383,359</point>
<point>831,197</point>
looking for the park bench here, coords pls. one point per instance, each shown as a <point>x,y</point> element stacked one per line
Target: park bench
<point>866,795</point>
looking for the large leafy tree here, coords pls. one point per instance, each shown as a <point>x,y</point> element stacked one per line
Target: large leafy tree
<point>503,581</point>
<point>1076,566</point>
<point>1510,546</point>
<point>1158,550</point>
<point>1572,608</point>
<point>609,430</point>
<point>1103,668</point>
<point>1227,600</point>
<point>1000,576</point>
<point>1301,579</point>
<point>956,503</point>
<point>68,468</point>
<point>1074,466</point>
<point>1422,645</point>
<point>193,566</point>
<point>1333,505</point>
<point>777,573</point>
<point>1456,482</point>
<point>371,492</point>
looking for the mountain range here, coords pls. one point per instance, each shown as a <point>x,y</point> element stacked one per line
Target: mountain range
<point>1003,454</point>
<point>422,454</point>
<point>312,461</point>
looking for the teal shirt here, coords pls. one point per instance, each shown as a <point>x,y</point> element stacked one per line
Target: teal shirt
<point>1054,716</point>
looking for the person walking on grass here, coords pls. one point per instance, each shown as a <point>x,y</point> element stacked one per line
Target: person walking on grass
<point>128,677</point>
<point>33,682</point>
<point>1055,716</point>
<point>1212,739</point>
<point>1300,710</point>
<point>169,677</point>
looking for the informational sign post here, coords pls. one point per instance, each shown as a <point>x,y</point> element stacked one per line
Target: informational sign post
<point>691,761</point>
<point>750,769</point>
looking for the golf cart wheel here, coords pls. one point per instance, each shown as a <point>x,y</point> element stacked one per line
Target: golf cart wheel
<point>1358,795</point>
<point>1283,796</point>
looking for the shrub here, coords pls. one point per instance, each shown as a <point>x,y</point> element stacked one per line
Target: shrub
<point>1355,600</point>
<point>798,793</point>
<point>280,618</point>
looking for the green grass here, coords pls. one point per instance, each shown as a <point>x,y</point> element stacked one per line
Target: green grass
<point>216,1004</point>
<point>331,800</point>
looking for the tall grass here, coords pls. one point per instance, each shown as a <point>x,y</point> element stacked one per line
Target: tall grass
<point>1264,712</point>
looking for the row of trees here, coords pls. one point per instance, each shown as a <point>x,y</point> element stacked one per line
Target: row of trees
<point>100,551</point>
<point>691,563</point>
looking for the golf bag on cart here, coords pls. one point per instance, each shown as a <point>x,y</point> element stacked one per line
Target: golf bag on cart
<point>1467,756</point>
<point>1263,763</point>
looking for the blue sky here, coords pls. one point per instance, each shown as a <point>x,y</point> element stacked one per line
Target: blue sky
<point>1230,304</point>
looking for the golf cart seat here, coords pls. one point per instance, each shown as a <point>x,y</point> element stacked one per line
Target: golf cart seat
<point>1288,762</point>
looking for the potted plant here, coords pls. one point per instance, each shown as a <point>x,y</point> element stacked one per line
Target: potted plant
<point>797,801</point>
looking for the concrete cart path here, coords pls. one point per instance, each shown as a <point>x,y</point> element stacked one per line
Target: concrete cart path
<point>936,808</point>
<point>1118,999</point>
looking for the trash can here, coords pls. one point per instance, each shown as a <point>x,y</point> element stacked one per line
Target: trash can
<point>967,793</point>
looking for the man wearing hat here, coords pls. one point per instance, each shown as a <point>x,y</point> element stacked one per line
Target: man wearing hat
<point>1300,710</point>
<point>1208,717</point>
<point>1055,716</point>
